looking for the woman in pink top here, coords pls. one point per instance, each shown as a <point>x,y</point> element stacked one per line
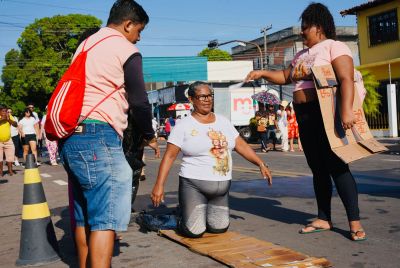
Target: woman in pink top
<point>319,33</point>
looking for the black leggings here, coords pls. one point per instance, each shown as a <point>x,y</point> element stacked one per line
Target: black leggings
<point>324,164</point>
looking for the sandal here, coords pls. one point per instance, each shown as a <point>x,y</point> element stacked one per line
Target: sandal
<point>316,229</point>
<point>356,237</point>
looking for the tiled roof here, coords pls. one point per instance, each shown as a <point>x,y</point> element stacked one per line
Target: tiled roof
<point>369,4</point>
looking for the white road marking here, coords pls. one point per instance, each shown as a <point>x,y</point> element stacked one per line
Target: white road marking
<point>61,182</point>
<point>45,175</point>
<point>391,160</point>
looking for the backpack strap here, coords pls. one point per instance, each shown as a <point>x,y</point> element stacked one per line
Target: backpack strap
<point>82,118</point>
<point>101,40</point>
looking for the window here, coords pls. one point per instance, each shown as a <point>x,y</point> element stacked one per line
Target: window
<point>383,28</point>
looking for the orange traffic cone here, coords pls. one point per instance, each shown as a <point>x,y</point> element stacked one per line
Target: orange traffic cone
<point>38,244</point>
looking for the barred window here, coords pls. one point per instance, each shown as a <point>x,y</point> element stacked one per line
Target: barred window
<point>383,28</point>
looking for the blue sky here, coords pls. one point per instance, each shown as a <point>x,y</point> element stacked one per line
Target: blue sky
<point>177,27</point>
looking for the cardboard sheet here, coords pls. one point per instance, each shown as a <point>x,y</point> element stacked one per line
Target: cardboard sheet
<point>352,144</point>
<point>237,250</point>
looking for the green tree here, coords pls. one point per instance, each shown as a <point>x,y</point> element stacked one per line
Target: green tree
<point>372,99</point>
<point>215,54</point>
<point>45,51</point>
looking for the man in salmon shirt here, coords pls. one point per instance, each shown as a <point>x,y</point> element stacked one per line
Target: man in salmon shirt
<point>93,156</point>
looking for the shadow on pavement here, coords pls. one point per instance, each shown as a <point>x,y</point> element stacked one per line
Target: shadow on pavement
<point>66,243</point>
<point>376,186</point>
<point>3,181</point>
<point>269,208</point>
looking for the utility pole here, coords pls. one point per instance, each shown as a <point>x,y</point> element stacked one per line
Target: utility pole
<point>264,31</point>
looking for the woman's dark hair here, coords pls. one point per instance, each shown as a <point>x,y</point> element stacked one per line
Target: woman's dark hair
<point>194,86</point>
<point>27,110</point>
<point>317,14</point>
<point>127,10</point>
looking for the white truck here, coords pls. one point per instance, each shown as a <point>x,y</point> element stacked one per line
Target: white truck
<point>237,105</point>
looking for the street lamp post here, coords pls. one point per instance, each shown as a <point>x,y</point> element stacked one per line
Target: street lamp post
<point>214,44</point>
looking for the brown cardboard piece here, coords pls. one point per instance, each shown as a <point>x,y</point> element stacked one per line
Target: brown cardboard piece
<point>352,144</point>
<point>237,250</point>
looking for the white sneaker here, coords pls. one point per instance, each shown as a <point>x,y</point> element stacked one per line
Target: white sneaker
<point>17,164</point>
<point>38,163</point>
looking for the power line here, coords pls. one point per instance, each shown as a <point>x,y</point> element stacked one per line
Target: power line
<point>102,11</point>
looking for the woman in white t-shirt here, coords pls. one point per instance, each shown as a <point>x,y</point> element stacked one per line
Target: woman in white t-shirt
<point>206,141</point>
<point>29,129</point>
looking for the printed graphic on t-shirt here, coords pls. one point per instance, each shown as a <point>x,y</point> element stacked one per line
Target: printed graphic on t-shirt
<point>219,151</point>
<point>302,67</point>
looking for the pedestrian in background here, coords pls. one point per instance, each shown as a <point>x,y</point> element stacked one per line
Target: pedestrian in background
<point>293,129</point>
<point>52,146</point>
<point>167,127</point>
<point>28,127</point>
<point>6,144</point>
<point>102,195</point>
<point>31,107</point>
<point>283,125</point>
<point>262,130</point>
<point>272,125</point>
<point>16,138</point>
<point>319,33</point>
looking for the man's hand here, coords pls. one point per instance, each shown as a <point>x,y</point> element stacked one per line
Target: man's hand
<point>154,146</point>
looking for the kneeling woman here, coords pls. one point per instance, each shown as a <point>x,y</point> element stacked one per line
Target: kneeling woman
<point>206,141</point>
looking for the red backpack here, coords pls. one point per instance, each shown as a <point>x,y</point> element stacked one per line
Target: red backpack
<point>65,105</point>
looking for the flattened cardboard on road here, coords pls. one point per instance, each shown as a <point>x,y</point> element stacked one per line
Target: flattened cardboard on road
<point>351,144</point>
<point>237,250</point>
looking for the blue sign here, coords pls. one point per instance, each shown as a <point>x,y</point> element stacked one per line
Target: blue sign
<point>163,69</point>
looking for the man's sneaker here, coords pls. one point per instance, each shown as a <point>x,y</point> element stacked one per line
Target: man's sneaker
<point>17,164</point>
<point>38,163</point>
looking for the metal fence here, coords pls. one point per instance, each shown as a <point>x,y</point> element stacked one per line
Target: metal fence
<point>379,121</point>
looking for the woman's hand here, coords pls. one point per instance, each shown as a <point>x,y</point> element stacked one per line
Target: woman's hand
<point>157,195</point>
<point>254,75</point>
<point>348,119</point>
<point>266,173</point>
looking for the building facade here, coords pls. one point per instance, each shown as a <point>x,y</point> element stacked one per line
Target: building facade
<point>379,46</point>
<point>283,45</point>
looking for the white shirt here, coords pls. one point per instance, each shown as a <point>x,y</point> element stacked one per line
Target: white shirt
<point>282,119</point>
<point>28,125</point>
<point>154,124</point>
<point>14,130</point>
<point>36,116</point>
<point>206,148</point>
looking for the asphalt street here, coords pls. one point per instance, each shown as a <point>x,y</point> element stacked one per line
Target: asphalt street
<point>274,214</point>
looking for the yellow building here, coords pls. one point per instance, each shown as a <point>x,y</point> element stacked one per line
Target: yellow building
<point>379,44</point>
